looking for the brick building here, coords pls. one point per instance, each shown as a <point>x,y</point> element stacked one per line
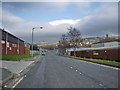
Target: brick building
<point>10,44</point>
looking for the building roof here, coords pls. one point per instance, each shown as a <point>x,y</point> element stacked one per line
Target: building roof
<point>100,48</point>
<point>11,34</point>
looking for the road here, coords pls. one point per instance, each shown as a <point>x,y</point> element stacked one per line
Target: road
<point>62,72</point>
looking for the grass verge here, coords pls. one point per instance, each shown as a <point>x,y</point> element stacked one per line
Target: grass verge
<point>16,57</point>
<point>105,62</point>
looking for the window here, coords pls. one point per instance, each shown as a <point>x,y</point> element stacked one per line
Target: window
<point>13,45</point>
<point>7,44</point>
<point>10,48</point>
<point>3,42</point>
<point>25,45</point>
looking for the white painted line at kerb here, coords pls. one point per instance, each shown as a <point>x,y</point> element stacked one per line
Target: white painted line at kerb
<point>100,65</point>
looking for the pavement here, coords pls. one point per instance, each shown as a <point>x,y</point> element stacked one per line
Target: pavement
<point>5,76</point>
<point>9,68</point>
<point>62,72</point>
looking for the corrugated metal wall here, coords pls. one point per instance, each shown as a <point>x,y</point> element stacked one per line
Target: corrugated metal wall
<point>105,54</point>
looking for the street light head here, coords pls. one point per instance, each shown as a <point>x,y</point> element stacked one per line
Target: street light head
<point>41,27</point>
<point>33,28</point>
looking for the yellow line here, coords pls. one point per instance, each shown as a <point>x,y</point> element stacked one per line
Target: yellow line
<point>17,73</point>
<point>17,82</point>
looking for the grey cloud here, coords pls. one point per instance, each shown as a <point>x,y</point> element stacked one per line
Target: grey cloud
<point>105,21</point>
<point>99,26</point>
<point>23,29</point>
<point>42,37</point>
<point>102,20</point>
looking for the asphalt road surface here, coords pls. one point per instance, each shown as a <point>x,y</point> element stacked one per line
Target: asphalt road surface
<point>62,72</point>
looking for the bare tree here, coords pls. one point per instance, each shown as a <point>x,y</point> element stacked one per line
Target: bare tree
<point>63,43</point>
<point>75,38</point>
<point>71,39</point>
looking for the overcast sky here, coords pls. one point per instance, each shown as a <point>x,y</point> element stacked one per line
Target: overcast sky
<point>93,19</point>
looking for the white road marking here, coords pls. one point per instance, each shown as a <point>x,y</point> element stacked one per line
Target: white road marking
<point>80,73</point>
<point>100,84</point>
<point>25,76</point>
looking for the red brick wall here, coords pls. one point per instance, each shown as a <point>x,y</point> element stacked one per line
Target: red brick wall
<point>27,50</point>
<point>22,49</point>
<point>12,49</point>
<point>0,47</point>
<point>3,48</point>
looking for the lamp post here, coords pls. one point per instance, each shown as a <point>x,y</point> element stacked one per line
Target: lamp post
<point>33,36</point>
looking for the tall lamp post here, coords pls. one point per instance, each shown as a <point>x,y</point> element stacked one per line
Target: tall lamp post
<point>33,36</point>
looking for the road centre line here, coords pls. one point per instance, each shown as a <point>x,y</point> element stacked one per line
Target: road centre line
<point>87,77</point>
<point>115,68</point>
<point>80,73</point>
<point>98,82</point>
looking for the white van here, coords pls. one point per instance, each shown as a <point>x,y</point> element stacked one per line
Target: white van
<point>43,53</point>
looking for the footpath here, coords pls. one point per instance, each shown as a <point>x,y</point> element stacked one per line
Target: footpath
<point>9,68</point>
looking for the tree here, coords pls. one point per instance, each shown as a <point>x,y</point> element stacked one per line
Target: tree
<point>75,38</point>
<point>63,44</point>
<point>71,39</point>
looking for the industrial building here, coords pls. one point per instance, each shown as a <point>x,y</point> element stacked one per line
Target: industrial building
<point>106,51</point>
<point>10,44</point>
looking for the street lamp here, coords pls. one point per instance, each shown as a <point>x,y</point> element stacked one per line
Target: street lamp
<point>33,37</point>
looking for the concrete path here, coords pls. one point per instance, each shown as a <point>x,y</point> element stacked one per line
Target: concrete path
<point>5,76</point>
<point>17,66</point>
<point>7,68</point>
